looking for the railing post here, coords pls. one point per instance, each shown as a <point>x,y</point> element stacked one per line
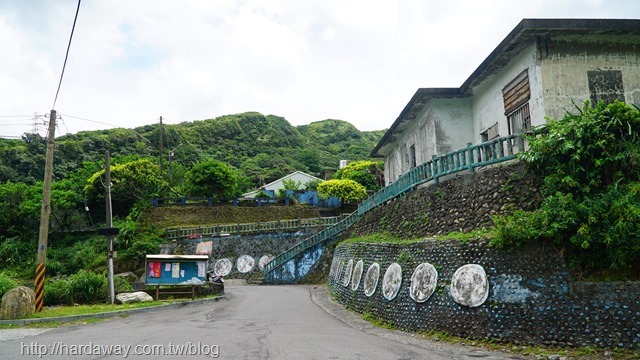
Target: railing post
<point>434,161</point>
<point>470,155</point>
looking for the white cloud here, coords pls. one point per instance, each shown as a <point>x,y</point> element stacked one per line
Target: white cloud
<point>360,61</point>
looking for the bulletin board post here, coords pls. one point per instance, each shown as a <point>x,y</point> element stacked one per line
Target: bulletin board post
<point>176,270</point>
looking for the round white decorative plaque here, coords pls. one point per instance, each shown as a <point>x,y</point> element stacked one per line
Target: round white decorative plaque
<point>392,281</point>
<point>469,286</point>
<point>357,275</point>
<point>371,279</point>
<point>423,282</point>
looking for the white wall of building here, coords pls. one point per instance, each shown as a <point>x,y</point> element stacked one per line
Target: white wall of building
<point>564,71</point>
<point>443,125</point>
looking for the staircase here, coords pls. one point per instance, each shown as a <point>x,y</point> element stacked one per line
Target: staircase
<point>467,159</point>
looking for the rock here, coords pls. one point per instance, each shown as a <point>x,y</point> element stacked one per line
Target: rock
<point>138,296</point>
<point>18,303</point>
<point>129,276</point>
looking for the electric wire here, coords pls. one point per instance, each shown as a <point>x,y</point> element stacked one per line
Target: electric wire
<point>89,120</point>
<point>67,55</point>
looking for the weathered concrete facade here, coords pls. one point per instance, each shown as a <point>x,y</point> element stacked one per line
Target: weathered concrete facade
<point>539,70</point>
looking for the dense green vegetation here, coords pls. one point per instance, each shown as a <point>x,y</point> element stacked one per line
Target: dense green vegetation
<point>344,189</point>
<point>590,163</point>
<point>220,157</point>
<point>367,173</point>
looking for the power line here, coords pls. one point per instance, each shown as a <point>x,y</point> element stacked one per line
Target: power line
<point>16,115</point>
<point>67,55</point>
<point>89,120</point>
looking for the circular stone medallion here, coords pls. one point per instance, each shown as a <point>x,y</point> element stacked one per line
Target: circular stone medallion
<point>357,275</point>
<point>222,267</point>
<point>347,273</point>
<point>371,279</point>
<point>469,285</point>
<point>391,281</point>
<point>339,270</point>
<point>423,282</point>
<point>264,260</point>
<point>245,263</point>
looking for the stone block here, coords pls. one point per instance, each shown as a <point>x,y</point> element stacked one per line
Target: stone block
<point>134,297</point>
<point>17,303</point>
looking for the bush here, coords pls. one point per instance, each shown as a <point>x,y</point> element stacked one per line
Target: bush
<point>591,168</point>
<point>57,292</point>
<point>88,287</point>
<point>6,284</point>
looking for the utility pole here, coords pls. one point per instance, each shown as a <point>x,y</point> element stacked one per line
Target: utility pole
<point>161,146</point>
<point>109,220</point>
<point>45,211</point>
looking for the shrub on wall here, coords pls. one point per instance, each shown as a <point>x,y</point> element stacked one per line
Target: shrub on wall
<point>590,163</point>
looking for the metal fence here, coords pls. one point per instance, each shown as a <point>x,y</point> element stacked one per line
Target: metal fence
<point>467,159</point>
<point>249,228</point>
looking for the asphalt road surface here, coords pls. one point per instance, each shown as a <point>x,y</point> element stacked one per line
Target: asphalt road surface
<point>253,322</point>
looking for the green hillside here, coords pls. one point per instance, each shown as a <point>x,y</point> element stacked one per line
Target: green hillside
<point>261,147</point>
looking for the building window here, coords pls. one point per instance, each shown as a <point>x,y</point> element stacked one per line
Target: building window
<point>412,155</point>
<point>519,120</point>
<point>605,86</point>
<point>516,95</point>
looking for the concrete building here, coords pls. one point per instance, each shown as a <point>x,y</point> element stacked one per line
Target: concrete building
<point>297,176</point>
<point>539,70</point>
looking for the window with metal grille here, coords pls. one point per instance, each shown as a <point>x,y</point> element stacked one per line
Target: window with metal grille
<point>516,95</point>
<point>519,120</point>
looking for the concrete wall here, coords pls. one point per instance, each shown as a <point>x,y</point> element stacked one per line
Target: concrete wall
<point>443,125</point>
<point>524,297</point>
<point>564,69</point>
<point>488,103</point>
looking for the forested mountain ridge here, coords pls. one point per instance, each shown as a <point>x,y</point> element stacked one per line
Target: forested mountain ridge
<point>261,147</point>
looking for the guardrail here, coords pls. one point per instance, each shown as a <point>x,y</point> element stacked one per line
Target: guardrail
<point>267,226</point>
<point>467,159</point>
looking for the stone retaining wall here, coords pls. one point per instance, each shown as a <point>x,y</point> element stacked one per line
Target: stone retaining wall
<point>241,256</point>
<point>462,203</point>
<point>527,296</point>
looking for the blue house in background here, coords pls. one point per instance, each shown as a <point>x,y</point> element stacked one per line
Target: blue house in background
<point>308,197</point>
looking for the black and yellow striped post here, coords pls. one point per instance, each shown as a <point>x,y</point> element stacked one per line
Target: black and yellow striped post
<point>45,211</point>
<point>39,285</point>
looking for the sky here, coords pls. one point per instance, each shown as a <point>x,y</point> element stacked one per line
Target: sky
<point>132,61</point>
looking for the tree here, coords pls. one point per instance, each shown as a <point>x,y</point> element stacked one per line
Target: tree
<point>346,190</point>
<point>212,178</point>
<point>131,182</point>
<point>366,172</point>
<point>590,166</point>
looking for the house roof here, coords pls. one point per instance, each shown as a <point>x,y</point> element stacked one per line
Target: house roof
<point>520,37</point>
<point>281,179</point>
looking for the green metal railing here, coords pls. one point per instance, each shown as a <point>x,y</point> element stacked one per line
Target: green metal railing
<point>267,226</point>
<point>467,159</point>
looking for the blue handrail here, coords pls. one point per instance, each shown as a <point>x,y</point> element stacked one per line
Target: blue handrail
<point>466,159</point>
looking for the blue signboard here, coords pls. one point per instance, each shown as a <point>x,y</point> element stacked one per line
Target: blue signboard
<point>176,269</point>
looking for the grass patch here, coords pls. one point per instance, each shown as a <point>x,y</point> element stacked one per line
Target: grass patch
<point>464,237</point>
<point>377,322</point>
<point>57,311</point>
<point>381,238</point>
<point>588,353</point>
<point>386,237</point>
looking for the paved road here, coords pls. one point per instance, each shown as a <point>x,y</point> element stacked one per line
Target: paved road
<point>254,322</point>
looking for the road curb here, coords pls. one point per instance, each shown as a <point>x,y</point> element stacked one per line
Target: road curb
<point>111,314</point>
